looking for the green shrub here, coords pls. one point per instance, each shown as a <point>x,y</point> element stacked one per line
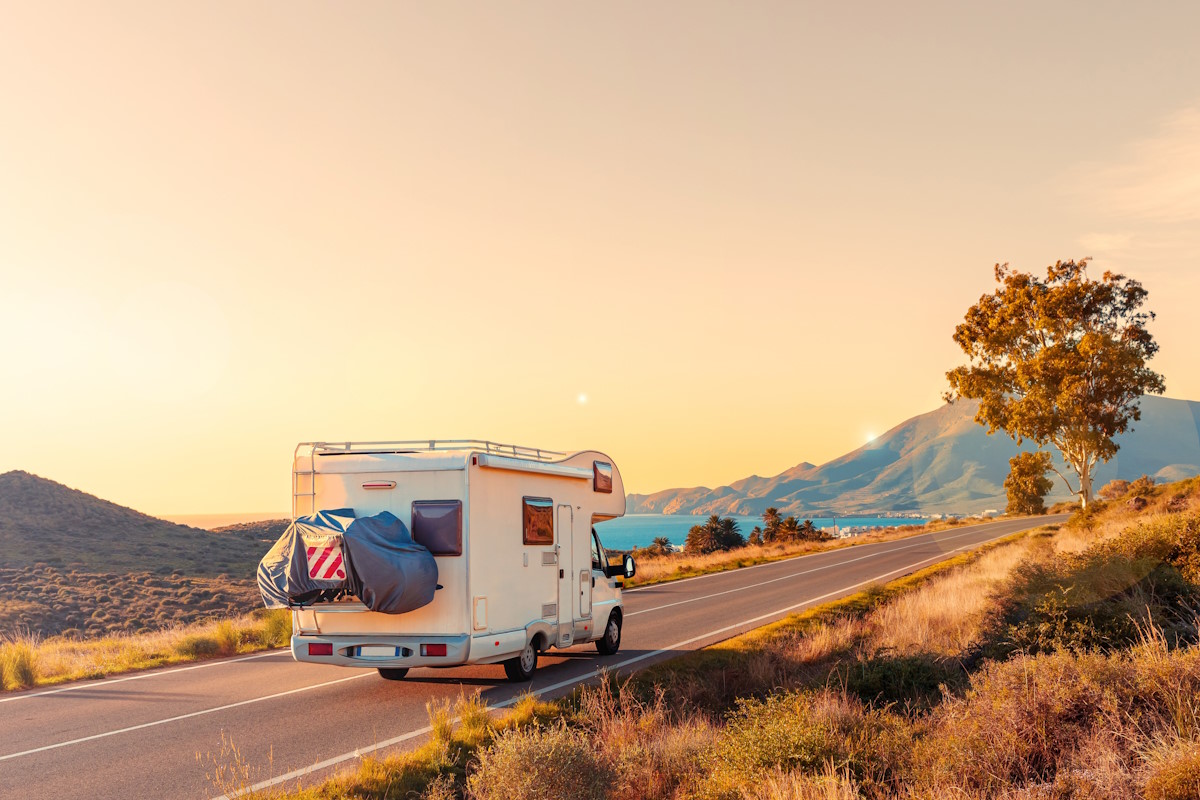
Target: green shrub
<point>540,764</point>
<point>914,680</point>
<point>197,645</point>
<point>275,627</point>
<point>808,732</point>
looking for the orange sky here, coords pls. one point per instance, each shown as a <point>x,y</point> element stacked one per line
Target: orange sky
<point>744,231</point>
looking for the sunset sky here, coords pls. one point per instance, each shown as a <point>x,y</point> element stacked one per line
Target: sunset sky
<point>709,239</point>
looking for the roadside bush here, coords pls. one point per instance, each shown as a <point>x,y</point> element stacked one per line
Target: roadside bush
<point>1143,487</point>
<point>656,752</point>
<point>1113,490</point>
<point>911,680</point>
<point>197,645</point>
<point>1104,597</point>
<point>228,637</point>
<point>808,732</point>
<point>1065,720</point>
<point>1085,518</point>
<point>553,763</point>
<point>275,627</point>
<point>18,664</point>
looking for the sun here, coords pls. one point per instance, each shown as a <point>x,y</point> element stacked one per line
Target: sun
<point>582,399</point>
<point>870,437</point>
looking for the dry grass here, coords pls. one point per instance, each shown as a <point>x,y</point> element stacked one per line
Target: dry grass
<point>949,615</point>
<point>59,660</point>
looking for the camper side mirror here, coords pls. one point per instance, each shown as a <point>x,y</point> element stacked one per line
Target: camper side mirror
<point>625,569</point>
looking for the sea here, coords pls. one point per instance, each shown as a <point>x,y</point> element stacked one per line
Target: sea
<point>639,530</point>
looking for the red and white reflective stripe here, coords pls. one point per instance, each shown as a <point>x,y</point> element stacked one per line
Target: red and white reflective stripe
<point>330,558</point>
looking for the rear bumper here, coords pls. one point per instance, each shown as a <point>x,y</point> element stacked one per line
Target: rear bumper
<point>356,651</point>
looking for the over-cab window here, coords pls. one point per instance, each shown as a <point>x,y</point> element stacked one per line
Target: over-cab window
<point>437,526</point>
<point>539,520</point>
<point>602,477</point>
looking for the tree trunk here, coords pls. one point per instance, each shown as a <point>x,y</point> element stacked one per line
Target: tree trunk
<point>1085,483</point>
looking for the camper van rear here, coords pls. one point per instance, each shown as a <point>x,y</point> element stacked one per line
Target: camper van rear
<point>520,568</point>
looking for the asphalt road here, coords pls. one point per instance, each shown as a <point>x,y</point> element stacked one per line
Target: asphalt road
<point>160,734</point>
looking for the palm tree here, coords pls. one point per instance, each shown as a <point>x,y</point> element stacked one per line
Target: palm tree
<point>662,544</point>
<point>700,539</point>
<point>729,536</point>
<point>771,522</point>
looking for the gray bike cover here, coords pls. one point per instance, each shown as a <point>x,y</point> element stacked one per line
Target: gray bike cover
<point>389,572</point>
<point>374,558</point>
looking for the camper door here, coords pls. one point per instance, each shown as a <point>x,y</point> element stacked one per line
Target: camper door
<point>566,575</point>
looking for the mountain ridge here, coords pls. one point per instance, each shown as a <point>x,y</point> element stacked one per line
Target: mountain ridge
<point>941,461</point>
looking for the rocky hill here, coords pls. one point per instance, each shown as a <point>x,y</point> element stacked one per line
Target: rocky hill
<point>75,563</point>
<point>938,462</point>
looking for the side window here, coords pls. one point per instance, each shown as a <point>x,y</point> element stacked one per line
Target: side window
<point>597,559</point>
<point>538,517</point>
<point>437,525</point>
<point>602,477</point>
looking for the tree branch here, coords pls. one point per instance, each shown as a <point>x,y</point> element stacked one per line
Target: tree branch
<point>1064,480</point>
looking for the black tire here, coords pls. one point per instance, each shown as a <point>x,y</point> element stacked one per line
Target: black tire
<point>393,673</point>
<point>521,668</point>
<point>610,642</point>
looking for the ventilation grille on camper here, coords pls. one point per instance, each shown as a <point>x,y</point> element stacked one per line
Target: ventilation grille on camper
<point>549,557</point>
<point>549,609</point>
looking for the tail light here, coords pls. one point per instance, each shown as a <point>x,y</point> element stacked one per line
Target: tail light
<point>433,649</point>
<point>320,648</point>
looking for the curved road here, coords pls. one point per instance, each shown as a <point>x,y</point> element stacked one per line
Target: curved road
<point>159,734</point>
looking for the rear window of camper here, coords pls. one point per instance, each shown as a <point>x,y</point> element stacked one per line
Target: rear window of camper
<point>437,525</point>
<point>539,520</point>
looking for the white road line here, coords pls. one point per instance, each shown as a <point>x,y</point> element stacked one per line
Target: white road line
<point>181,716</point>
<point>360,752</point>
<point>140,676</point>
<point>793,575</point>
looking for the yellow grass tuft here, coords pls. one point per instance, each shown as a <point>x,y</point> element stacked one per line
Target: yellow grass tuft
<point>58,659</point>
<point>19,662</point>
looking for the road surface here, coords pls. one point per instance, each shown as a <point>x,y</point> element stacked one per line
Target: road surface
<point>159,734</point>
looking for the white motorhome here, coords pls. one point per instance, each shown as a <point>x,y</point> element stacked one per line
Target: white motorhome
<point>520,566</point>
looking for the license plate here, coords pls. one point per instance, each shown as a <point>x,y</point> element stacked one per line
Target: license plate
<point>378,651</point>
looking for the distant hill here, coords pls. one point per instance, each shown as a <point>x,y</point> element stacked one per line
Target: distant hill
<point>939,462</point>
<point>75,563</point>
<point>265,530</point>
<point>44,521</point>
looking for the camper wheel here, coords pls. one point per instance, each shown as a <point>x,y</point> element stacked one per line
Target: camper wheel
<point>393,674</point>
<point>521,668</point>
<point>610,642</point>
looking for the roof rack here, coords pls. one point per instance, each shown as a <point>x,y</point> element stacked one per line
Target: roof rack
<point>432,445</point>
<point>303,480</point>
